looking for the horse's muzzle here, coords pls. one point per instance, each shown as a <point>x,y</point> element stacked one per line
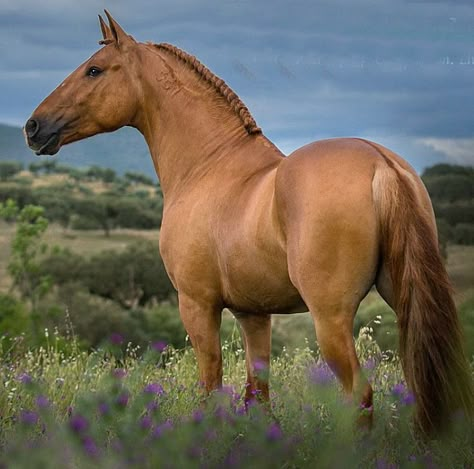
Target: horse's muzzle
<point>42,137</point>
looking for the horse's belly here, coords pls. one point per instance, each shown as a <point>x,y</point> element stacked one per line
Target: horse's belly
<point>261,288</point>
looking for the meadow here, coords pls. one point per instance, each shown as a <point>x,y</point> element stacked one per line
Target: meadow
<point>111,409</point>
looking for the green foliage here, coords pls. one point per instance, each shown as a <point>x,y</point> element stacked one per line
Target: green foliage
<point>44,166</point>
<point>132,277</point>
<point>451,189</point>
<point>8,169</point>
<point>442,169</point>
<point>20,194</point>
<point>463,233</point>
<point>102,174</point>
<point>138,178</point>
<point>14,320</point>
<point>26,247</point>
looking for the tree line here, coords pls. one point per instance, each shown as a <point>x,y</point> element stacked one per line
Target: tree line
<point>130,201</point>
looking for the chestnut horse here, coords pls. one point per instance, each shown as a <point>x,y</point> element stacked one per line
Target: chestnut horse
<point>256,232</point>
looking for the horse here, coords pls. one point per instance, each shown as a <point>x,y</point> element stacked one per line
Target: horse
<point>252,230</point>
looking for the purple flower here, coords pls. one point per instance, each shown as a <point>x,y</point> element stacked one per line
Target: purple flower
<point>89,446</point>
<point>116,338</point>
<point>119,373</point>
<point>29,417</point>
<point>198,416</point>
<point>399,389</point>
<point>145,422</point>
<point>321,374</point>
<point>220,412</point>
<point>122,399</point>
<point>259,366</point>
<point>25,378</point>
<point>78,423</point>
<point>42,402</point>
<point>383,464</point>
<point>162,428</point>
<point>370,364</point>
<point>408,398</point>
<point>274,432</point>
<point>154,388</point>
<point>159,346</point>
<point>103,408</point>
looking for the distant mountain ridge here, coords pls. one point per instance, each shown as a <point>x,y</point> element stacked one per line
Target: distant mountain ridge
<point>122,151</point>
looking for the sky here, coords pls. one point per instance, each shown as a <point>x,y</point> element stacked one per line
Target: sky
<point>397,72</point>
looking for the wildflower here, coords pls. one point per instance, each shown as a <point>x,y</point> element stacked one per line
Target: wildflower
<point>408,398</point>
<point>162,428</point>
<point>25,378</point>
<point>145,422</point>
<point>369,364</point>
<point>42,402</point>
<point>104,408</point>
<point>89,446</point>
<point>154,388</point>
<point>78,423</point>
<point>198,416</point>
<point>321,374</point>
<point>259,366</point>
<point>122,399</point>
<point>119,373</point>
<point>29,417</point>
<point>274,432</point>
<point>159,346</point>
<point>399,389</point>
<point>116,338</point>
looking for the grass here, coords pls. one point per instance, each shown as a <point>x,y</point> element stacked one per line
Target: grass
<point>111,409</point>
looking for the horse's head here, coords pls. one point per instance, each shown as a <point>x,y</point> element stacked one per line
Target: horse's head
<point>99,96</point>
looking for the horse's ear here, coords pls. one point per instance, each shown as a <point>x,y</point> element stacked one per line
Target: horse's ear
<point>118,34</point>
<point>106,32</point>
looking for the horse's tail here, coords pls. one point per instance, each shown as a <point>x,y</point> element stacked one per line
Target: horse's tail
<point>431,343</point>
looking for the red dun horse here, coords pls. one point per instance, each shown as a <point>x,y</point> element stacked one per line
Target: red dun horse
<point>248,229</point>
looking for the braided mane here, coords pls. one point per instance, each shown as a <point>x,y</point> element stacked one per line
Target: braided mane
<point>217,83</point>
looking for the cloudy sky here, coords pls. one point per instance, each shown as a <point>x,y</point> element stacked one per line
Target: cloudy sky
<point>397,72</point>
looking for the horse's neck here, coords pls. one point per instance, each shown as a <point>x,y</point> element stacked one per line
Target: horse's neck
<point>190,132</point>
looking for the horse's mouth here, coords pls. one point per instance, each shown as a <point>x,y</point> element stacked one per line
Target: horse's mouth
<point>51,147</point>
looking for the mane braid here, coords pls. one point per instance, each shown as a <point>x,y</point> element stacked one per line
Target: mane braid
<point>217,83</point>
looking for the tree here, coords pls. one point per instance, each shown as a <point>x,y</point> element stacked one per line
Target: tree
<point>138,178</point>
<point>103,174</point>
<point>8,169</point>
<point>100,210</point>
<point>26,246</point>
<point>46,166</point>
<point>132,277</point>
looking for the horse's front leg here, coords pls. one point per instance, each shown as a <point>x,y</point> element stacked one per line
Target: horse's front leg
<point>202,322</point>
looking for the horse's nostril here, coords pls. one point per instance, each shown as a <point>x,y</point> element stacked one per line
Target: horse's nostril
<point>31,128</point>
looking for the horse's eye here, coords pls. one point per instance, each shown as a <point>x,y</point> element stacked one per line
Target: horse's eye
<point>93,72</point>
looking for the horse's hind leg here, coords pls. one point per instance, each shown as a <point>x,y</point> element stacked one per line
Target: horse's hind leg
<point>256,333</point>
<point>334,325</point>
<point>332,279</point>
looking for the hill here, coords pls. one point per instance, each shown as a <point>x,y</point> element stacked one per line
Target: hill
<point>125,150</point>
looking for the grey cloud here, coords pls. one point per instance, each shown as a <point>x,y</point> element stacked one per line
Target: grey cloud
<point>306,69</point>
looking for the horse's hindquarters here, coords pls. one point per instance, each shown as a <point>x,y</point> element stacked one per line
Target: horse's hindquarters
<point>324,195</point>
